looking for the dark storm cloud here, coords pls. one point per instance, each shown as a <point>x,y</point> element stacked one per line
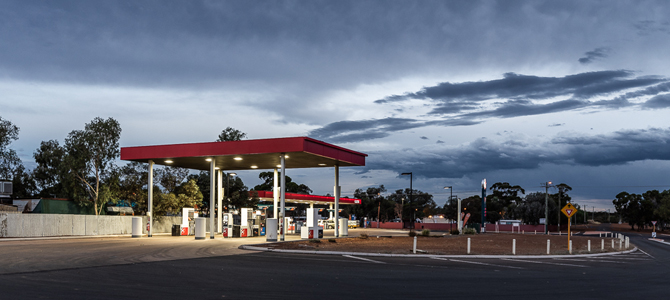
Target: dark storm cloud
<point>590,56</point>
<point>423,138</point>
<point>658,102</point>
<point>486,155</point>
<point>456,97</point>
<point>356,131</point>
<point>518,108</point>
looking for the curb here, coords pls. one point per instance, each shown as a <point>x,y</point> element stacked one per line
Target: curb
<point>256,248</point>
<point>39,238</point>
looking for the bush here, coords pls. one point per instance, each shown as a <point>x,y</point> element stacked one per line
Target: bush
<point>316,241</point>
<point>425,232</point>
<point>412,233</point>
<point>469,231</point>
<point>454,232</point>
<point>363,236</point>
<point>332,240</point>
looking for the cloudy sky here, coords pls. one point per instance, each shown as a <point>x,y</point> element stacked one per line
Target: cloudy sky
<point>454,91</point>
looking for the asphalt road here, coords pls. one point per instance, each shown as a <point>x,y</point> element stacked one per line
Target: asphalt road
<point>222,271</point>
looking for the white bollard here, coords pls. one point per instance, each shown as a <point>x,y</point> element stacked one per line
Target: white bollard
<point>620,245</point>
<point>535,231</point>
<point>200,228</point>
<point>137,227</point>
<point>468,245</point>
<point>548,246</point>
<point>602,245</point>
<point>559,233</point>
<point>513,246</point>
<point>612,243</point>
<point>600,234</point>
<point>523,232</point>
<point>589,245</point>
<point>414,248</point>
<point>570,247</point>
<point>627,242</point>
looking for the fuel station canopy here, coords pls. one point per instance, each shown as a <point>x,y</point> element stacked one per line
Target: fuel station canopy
<point>300,152</point>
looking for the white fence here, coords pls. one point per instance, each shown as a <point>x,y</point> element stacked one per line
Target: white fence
<point>46,225</point>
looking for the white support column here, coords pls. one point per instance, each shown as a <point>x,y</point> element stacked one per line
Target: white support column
<point>311,205</point>
<point>337,201</point>
<point>282,213</point>
<point>330,213</point>
<point>150,189</point>
<point>212,188</point>
<point>275,195</point>
<point>219,201</point>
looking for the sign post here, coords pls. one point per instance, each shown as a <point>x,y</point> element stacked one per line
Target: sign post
<point>653,233</point>
<point>569,210</point>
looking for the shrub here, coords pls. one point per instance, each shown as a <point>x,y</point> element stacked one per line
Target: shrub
<point>425,232</point>
<point>469,231</point>
<point>316,241</point>
<point>332,240</point>
<point>454,232</point>
<point>363,236</point>
<point>412,233</point>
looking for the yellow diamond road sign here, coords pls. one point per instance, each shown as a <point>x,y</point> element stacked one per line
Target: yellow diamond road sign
<point>569,210</point>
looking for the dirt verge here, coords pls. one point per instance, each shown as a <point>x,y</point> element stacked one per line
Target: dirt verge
<point>481,244</point>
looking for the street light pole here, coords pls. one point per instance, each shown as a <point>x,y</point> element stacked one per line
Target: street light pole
<point>546,206</point>
<point>411,202</point>
<point>227,187</point>
<point>451,196</point>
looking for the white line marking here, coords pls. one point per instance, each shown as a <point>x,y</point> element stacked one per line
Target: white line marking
<point>476,263</point>
<point>548,263</point>
<point>587,260</point>
<point>646,253</point>
<point>365,259</point>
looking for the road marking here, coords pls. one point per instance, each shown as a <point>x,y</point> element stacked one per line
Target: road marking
<point>476,263</point>
<point>645,253</point>
<point>628,258</point>
<point>365,259</point>
<point>587,260</point>
<point>548,263</point>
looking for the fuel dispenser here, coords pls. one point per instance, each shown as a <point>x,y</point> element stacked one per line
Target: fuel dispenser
<point>227,225</point>
<point>247,222</point>
<point>259,225</point>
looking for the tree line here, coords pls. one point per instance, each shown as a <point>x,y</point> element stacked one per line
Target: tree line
<point>641,209</point>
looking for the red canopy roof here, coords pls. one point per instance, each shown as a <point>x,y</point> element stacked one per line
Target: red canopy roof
<point>301,152</point>
<point>301,198</point>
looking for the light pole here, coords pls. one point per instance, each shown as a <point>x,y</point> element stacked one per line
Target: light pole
<point>458,213</point>
<point>227,187</point>
<point>546,206</point>
<point>411,203</point>
<point>560,190</point>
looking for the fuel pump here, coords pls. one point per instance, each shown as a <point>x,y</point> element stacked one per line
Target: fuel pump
<point>247,222</point>
<point>259,224</point>
<point>227,225</point>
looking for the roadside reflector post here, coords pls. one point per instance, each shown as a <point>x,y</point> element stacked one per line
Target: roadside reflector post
<point>535,231</point>
<point>600,234</point>
<point>468,245</point>
<point>627,242</point>
<point>548,246</point>
<point>513,246</point>
<point>602,245</point>
<point>612,243</point>
<point>414,248</point>
<point>589,245</point>
<point>570,246</point>
<point>619,244</point>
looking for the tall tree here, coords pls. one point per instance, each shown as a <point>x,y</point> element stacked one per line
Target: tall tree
<point>231,134</point>
<point>171,177</point>
<point>50,172</point>
<point>291,187</point>
<point>9,161</point>
<point>90,155</point>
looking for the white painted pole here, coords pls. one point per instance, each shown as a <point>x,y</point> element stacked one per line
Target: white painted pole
<point>570,246</point>
<point>627,242</point>
<point>612,243</point>
<point>282,197</point>
<point>414,247</point>
<point>602,245</point>
<point>513,246</point>
<point>458,215</point>
<point>536,231</point>
<point>219,201</point>
<point>548,247</point>
<point>620,245</point>
<point>150,207</point>
<point>337,201</point>
<point>212,196</point>
<point>468,245</point>
<point>589,245</point>
<point>600,234</point>
<point>275,195</point>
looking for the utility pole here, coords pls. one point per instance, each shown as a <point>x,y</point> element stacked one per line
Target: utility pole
<point>585,213</point>
<point>546,206</point>
<point>560,190</point>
